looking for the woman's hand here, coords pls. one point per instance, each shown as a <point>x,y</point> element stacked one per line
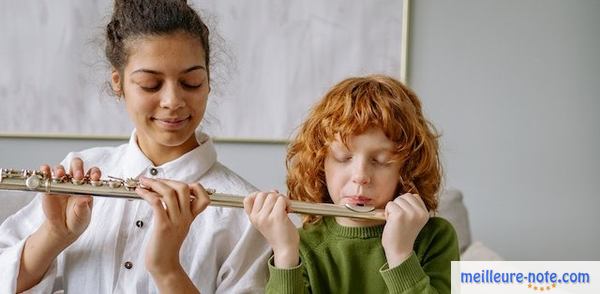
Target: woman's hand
<point>268,214</point>
<point>405,217</point>
<point>67,216</point>
<point>175,206</point>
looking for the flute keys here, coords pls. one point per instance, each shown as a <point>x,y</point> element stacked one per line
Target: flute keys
<point>96,183</point>
<point>131,184</point>
<point>77,182</point>
<point>32,182</point>
<point>114,184</point>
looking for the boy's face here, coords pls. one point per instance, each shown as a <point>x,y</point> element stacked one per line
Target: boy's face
<point>364,173</point>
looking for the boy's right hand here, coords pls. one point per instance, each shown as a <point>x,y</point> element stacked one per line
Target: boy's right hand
<point>67,216</point>
<point>268,213</point>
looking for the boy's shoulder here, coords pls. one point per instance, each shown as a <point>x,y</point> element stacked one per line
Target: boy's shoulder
<point>438,234</point>
<point>437,226</point>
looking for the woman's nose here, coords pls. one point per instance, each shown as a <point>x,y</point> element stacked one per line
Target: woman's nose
<point>172,98</point>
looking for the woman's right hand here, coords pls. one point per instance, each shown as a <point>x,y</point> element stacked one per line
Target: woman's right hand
<point>67,216</point>
<point>268,213</point>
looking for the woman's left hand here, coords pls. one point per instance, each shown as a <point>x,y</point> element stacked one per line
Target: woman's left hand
<point>175,206</point>
<point>405,217</point>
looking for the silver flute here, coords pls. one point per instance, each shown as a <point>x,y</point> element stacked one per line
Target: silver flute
<point>36,181</point>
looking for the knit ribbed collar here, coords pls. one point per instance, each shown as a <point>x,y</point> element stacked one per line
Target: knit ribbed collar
<point>352,232</point>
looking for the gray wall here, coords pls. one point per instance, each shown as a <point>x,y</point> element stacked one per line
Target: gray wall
<point>513,86</point>
<point>261,164</point>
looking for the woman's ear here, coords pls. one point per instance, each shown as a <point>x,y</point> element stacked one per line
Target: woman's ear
<point>116,83</point>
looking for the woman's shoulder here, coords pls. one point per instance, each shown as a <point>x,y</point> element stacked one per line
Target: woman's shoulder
<point>97,155</point>
<point>224,180</point>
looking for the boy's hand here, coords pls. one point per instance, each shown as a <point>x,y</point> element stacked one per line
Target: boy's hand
<point>405,217</point>
<point>268,213</point>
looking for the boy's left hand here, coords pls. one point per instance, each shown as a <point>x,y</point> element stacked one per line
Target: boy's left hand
<point>405,217</point>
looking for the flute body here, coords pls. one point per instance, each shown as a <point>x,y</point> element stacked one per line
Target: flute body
<point>31,180</point>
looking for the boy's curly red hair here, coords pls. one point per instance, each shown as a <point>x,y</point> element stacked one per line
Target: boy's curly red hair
<point>350,108</point>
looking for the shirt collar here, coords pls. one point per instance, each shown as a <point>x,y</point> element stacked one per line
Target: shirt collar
<point>187,168</point>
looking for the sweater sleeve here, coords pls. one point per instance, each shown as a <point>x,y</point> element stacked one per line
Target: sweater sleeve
<point>286,281</point>
<point>437,246</point>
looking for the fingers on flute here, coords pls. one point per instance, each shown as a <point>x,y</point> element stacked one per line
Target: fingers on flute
<point>266,206</point>
<point>59,171</point>
<point>45,170</point>
<point>155,202</point>
<point>182,196</point>
<point>249,202</point>
<point>95,173</point>
<point>76,169</point>
<point>201,200</point>
<point>167,194</point>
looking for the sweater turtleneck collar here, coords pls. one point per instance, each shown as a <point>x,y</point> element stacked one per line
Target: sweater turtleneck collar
<point>353,232</point>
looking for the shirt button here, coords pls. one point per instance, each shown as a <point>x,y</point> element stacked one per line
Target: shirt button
<point>128,265</point>
<point>153,171</point>
<point>139,224</point>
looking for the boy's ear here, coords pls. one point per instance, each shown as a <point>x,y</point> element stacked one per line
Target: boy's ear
<point>116,83</point>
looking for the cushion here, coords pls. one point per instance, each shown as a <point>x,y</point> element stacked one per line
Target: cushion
<point>452,208</point>
<point>479,252</point>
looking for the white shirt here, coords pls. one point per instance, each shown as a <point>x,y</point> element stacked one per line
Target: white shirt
<point>222,253</point>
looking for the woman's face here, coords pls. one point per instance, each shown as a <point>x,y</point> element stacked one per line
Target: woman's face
<point>165,86</point>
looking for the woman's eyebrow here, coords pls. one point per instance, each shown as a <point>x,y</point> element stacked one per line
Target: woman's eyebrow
<point>150,71</point>
<point>193,68</point>
<point>143,70</point>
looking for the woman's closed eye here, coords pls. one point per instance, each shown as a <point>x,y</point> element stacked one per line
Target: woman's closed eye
<point>191,85</point>
<point>151,88</point>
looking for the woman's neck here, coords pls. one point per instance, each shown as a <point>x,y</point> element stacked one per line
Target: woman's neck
<point>160,154</point>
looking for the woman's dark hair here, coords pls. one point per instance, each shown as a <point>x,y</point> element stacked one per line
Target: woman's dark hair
<point>137,18</point>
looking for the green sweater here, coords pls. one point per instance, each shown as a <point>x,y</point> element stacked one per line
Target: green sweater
<point>338,259</point>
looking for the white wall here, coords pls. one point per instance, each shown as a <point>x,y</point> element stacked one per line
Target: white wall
<point>513,86</point>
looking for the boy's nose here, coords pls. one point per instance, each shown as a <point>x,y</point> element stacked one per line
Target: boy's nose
<point>361,178</point>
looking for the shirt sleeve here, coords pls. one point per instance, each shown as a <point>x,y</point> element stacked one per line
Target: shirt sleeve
<point>244,269</point>
<point>13,234</point>
<point>286,281</point>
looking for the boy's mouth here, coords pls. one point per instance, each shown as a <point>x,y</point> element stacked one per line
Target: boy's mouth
<point>358,200</point>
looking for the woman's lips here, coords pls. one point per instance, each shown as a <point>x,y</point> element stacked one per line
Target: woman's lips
<point>172,123</point>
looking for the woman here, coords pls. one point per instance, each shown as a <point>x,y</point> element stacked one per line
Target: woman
<point>159,53</point>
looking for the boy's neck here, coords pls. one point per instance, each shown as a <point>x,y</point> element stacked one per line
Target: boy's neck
<point>354,222</point>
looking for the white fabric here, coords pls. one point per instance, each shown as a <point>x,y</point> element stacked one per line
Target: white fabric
<point>479,252</point>
<point>222,253</point>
